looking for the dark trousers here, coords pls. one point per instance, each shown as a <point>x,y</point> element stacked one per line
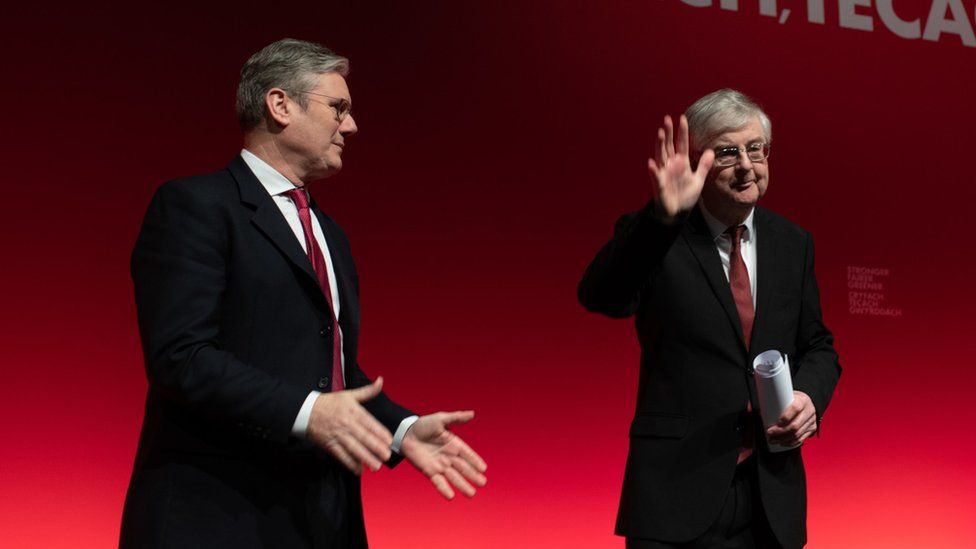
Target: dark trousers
<point>741,523</point>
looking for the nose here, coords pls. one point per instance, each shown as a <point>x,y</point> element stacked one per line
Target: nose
<point>348,126</point>
<point>745,163</point>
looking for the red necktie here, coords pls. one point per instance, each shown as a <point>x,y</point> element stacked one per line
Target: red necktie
<point>742,294</point>
<point>300,199</point>
<point>739,281</point>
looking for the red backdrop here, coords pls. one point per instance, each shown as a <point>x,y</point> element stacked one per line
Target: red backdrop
<point>498,143</point>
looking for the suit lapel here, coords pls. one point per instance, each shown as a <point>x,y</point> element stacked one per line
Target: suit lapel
<point>340,264</point>
<point>268,219</point>
<point>766,271</point>
<point>702,245</point>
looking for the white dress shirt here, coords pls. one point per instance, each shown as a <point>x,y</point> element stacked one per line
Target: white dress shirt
<point>723,242</point>
<point>277,185</point>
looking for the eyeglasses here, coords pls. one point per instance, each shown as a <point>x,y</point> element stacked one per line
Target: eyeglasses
<point>730,156</point>
<point>342,106</point>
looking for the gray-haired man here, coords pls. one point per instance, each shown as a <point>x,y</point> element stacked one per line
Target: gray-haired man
<point>714,280</point>
<point>258,417</point>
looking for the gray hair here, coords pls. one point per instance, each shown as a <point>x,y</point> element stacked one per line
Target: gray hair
<point>723,111</point>
<point>289,64</point>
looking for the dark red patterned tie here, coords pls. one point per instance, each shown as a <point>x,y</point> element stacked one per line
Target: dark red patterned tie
<point>739,281</point>
<point>742,294</point>
<point>300,199</point>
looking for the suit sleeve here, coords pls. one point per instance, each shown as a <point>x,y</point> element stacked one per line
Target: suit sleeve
<point>387,412</point>
<point>613,281</point>
<point>818,368</point>
<point>179,269</point>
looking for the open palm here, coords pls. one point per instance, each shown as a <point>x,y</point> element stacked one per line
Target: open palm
<point>442,456</point>
<point>678,186</point>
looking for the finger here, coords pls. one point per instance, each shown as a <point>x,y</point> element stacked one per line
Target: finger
<point>360,452</point>
<point>809,427</point>
<point>369,423</point>
<point>468,471</point>
<point>377,445</point>
<point>467,454</point>
<point>459,482</point>
<point>368,392</point>
<point>657,172</point>
<point>682,144</point>
<point>799,420</point>
<point>669,136</point>
<point>661,151</point>
<point>789,415</point>
<point>345,458</point>
<point>442,486</point>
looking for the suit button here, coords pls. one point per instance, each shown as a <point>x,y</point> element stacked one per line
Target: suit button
<point>750,370</point>
<point>324,382</point>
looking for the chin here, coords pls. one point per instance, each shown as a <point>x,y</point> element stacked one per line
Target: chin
<point>333,164</point>
<point>329,169</point>
<point>748,196</point>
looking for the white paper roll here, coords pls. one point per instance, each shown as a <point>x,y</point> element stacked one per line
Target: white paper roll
<point>775,387</point>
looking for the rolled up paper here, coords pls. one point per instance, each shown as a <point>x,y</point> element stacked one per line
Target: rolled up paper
<point>775,387</point>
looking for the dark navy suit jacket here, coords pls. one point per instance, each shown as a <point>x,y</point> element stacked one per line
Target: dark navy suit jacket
<point>696,375</point>
<point>236,332</point>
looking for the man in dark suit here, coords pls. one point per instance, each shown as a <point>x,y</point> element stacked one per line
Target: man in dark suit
<point>258,417</point>
<point>713,281</point>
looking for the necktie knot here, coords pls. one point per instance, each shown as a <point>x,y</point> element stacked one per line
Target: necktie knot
<point>298,196</point>
<point>735,232</point>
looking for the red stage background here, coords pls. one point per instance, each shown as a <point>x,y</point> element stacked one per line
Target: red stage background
<point>498,143</point>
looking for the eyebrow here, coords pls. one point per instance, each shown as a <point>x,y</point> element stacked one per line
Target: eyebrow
<point>750,142</point>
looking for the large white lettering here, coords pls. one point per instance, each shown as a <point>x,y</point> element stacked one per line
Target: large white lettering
<point>905,29</point>
<point>815,11</point>
<point>849,17</point>
<point>945,17</point>
<point>959,24</point>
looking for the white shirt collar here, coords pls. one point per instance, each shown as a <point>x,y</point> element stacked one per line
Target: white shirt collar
<point>717,228</point>
<point>270,178</point>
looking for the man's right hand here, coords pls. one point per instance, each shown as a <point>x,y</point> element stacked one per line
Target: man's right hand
<point>341,426</point>
<point>678,187</point>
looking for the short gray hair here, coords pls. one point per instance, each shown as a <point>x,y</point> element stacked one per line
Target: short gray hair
<point>723,111</point>
<point>289,64</point>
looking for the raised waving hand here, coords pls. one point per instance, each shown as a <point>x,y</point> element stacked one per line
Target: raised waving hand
<point>678,186</point>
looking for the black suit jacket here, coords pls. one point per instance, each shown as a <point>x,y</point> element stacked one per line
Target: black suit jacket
<point>696,375</point>
<point>236,332</point>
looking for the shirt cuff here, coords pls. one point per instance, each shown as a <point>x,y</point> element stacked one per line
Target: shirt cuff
<point>304,414</point>
<point>402,431</point>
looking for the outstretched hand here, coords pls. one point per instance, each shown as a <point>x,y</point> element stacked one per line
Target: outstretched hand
<point>678,187</point>
<point>443,456</point>
<point>340,425</point>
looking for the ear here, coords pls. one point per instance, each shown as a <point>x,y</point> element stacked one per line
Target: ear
<point>278,107</point>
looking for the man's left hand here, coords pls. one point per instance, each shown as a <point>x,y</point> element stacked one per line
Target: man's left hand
<point>442,455</point>
<point>798,422</point>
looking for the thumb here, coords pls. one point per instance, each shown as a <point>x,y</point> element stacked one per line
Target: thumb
<point>705,163</point>
<point>652,167</point>
<point>369,392</point>
<point>458,417</point>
